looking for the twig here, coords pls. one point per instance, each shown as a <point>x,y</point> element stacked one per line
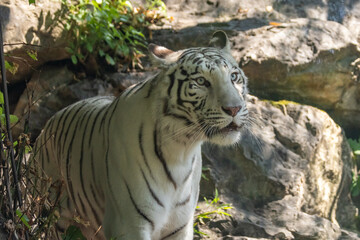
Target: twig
<point>22,43</point>
<point>7,117</point>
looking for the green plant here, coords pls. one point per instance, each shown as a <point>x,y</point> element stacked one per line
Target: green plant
<point>216,208</point>
<point>110,30</point>
<point>355,147</point>
<point>73,233</point>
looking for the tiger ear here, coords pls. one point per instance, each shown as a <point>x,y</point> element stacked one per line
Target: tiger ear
<point>220,40</point>
<point>161,56</point>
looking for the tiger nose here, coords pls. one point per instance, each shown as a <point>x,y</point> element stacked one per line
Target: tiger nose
<point>232,111</point>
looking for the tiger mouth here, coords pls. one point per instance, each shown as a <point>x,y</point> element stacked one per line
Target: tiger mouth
<point>232,127</point>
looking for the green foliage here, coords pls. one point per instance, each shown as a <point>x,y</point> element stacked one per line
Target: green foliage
<point>13,118</point>
<point>11,67</point>
<point>24,219</point>
<point>355,186</point>
<point>355,146</point>
<point>217,208</point>
<point>111,30</point>
<point>73,233</point>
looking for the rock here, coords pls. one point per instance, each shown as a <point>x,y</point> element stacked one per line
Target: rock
<point>308,61</point>
<point>288,178</point>
<point>47,97</point>
<point>34,27</point>
<point>346,13</point>
<point>305,60</point>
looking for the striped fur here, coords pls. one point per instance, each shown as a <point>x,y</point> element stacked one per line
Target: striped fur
<point>132,165</point>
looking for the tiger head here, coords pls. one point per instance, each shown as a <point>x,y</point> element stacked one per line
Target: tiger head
<point>204,89</point>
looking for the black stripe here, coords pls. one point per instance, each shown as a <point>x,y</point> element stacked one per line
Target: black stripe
<point>92,164</point>
<point>82,205</point>
<point>139,86</point>
<point>86,214</point>
<point>67,165</point>
<point>179,204</point>
<point>81,165</point>
<point>64,116</point>
<point>108,148</point>
<point>160,156</point>
<point>185,110</point>
<point>196,60</point>
<point>95,197</point>
<point>42,153</point>
<point>179,101</point>
<point>82,146</point>
<point>47,153</point>
<point>93,125</point>
<point>106,109</point>
<point>166,113</point>
<point>188,122</point>
<point>172,80</point>
<point>184,72</point>
<point>129,91</point>
<point>137,208</point>
<point>153,83</point>
<point>70,124</point>
<point>141,143</point>
<point>174,232</point>
<point>150,190</point>
<point>189,173</point>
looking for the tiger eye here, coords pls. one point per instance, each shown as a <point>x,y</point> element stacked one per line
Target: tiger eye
<point>201,81</point>
<point>234,76</point>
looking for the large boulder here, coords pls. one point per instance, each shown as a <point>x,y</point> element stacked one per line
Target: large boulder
<point>288,178</point>
<point>32,28</point>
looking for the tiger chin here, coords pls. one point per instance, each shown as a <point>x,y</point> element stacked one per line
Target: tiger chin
<point>131,166</point>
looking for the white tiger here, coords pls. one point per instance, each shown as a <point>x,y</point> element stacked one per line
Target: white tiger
<point>133,164</point>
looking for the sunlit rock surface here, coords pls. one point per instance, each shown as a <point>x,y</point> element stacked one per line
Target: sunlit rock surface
<point>289,179</point>
<point>34,29</point>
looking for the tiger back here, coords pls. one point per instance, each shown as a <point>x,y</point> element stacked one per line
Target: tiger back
<point>131,166</point>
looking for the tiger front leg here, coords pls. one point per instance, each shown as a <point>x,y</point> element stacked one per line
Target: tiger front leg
<point>125,227</point>
<point>185,233</point>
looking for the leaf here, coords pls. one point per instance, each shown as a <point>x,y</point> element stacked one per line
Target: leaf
<point>354,144</point>
<point>1,98</point>
<point>28,149</point>
<point>31,2</point>
<point>74,59</point>
<point>101,53</point>
<point>23,218</point>
<point>14,119</point>
<point>357,152</point>
<point>11,67</point>
<point>32,54</point>
<point>109,59</point>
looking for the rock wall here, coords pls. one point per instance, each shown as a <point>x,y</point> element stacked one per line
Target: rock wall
<point>312,60</point>
<point>288,178</point>
<point>35,28</point>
